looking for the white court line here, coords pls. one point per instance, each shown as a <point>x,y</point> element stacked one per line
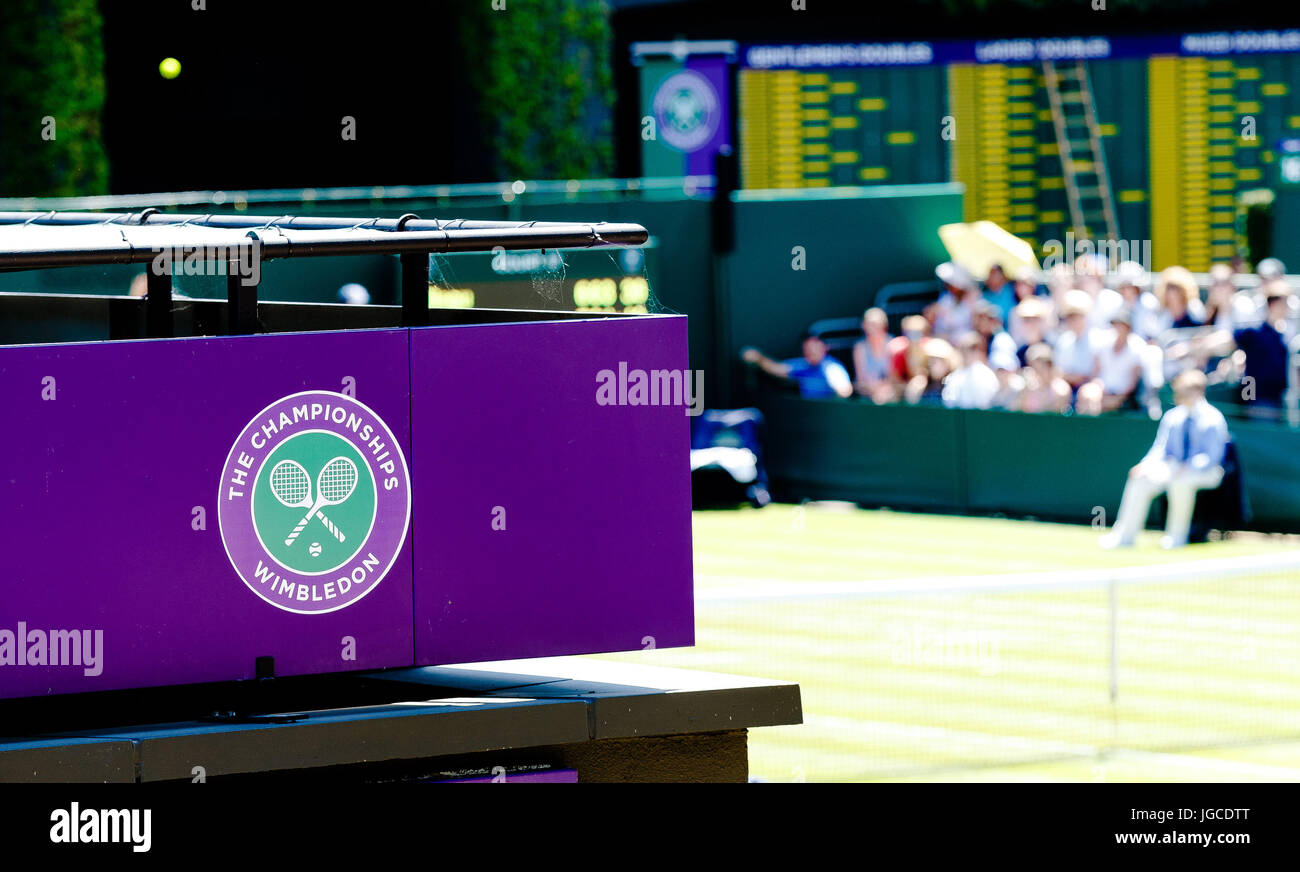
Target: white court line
<point>1079,579</point>
<point>1213,764</point>
<point>1044,748</point>
<point>950,737</point>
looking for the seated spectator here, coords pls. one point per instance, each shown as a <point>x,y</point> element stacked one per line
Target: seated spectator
<point>1258,352</point>
<point>1272,271</point>
<point>1266,351</point>
<point>999,292</point>
<point>1180,299</point>
<point>1076,346</point>
<point>1026,283</point>
<point>1132,283</point>
<point>1026,288</point>
<point>1060,281</point>
<point>1044,390</point>
<point>906,352</point>
<point>1269,269</point>
<point>999,347</point>
<point>973,385</point>
<point>1010,385</point>
<point>1029,324</point>
<point>816,374</point>
<point>872,360</point>
<point>1248,307</point>
<point>953,314</point>
<point>938,359</point>
<point>1090,276</point>
<point>1225,307</point>
<point>1119,370</point>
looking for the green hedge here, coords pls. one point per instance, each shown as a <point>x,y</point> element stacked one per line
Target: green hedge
<point>51,67</point>
<point>544,85</point>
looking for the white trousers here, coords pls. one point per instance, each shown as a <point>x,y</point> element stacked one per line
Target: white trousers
<point>1154,478</point>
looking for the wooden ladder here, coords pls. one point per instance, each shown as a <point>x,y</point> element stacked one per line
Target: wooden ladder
<point>1083,160</point>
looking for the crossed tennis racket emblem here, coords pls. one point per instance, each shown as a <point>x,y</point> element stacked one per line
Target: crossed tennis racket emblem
<point>291,485</point>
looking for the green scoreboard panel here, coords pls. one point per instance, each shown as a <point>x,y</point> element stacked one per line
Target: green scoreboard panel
<point>802,128</point>
<point>1005,149</point>
<point>1215,128</point>
<point>1188,123</point>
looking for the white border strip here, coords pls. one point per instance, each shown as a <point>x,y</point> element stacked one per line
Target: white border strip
<point>1079,579</point>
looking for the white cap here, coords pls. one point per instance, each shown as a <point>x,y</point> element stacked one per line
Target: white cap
<point>1004,358</point>
<point>1270,268</point>
<point>1130,272</point>
<point>1076,302</point>
<point>954,274</point>
<point>354,294</point>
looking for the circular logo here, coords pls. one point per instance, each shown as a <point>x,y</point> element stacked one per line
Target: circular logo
<point>315,502</point>
<point>686,110</point>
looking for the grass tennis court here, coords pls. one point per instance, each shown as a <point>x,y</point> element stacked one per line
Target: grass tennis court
<point>949,648</point>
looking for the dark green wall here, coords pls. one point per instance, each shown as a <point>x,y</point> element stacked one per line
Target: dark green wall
<point>1286,226</point>
<point>900,456</point>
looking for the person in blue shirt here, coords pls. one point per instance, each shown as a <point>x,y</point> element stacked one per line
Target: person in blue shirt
<point>1186,457</point>
<point>999,291</point>
<point>816,374</point>
<point>1266,349</point>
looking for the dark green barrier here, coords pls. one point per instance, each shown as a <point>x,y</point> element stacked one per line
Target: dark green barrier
<point>901,456</point>
<point>1270,457</point>
<point>1048,466</point>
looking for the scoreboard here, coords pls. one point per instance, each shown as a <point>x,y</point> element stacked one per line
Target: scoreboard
<point>1190,125</point>
<point>813,128</point>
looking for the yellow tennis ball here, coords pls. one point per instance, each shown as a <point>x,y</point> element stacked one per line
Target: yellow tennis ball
<point>170,68</point>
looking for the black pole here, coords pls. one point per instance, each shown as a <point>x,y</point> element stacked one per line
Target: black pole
<point>415,289</point>
<point>725,181</point>
<point>241,290</point>
<point>158,303</point>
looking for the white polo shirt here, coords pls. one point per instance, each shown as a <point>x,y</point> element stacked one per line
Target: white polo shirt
<point>1115,368</point>
<point>1076,355</point>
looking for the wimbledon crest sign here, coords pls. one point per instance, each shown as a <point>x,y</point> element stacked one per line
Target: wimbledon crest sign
<point>687,110</point>
<point>315,502</point>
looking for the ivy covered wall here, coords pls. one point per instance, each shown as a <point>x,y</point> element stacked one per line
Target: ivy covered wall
<point>51,99</point>
<point>543,78</point>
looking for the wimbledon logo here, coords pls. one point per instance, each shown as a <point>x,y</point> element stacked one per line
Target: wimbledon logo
<point>686,110</point>
<point>315,502</point>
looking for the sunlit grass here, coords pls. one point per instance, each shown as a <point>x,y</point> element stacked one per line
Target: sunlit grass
<point>996,685</point>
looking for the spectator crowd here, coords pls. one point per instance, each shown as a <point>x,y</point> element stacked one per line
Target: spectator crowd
<point>1079,338</point>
